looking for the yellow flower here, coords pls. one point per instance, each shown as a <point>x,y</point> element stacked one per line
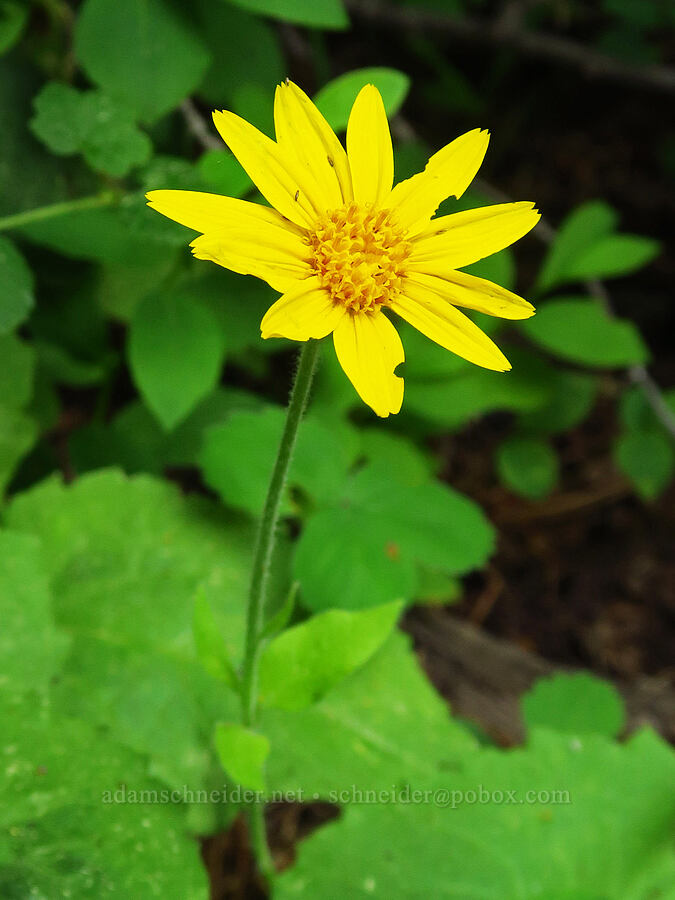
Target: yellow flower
<point>344,247</point>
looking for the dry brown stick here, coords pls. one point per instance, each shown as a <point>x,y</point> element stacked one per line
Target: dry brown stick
<point>531,43</point>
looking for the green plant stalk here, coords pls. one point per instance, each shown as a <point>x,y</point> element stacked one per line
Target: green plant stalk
<point>53,210</point>
<point>264,550</point>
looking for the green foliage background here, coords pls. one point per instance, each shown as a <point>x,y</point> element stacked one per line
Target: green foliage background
<point>128,366</point>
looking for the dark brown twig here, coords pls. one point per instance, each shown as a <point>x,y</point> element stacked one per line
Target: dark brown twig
<point>507,31</point>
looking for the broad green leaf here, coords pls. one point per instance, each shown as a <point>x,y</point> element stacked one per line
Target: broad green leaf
<point>242,753</point>
<point>315,13</point>
<point>176,352</point>
<point>31,648</point>
<point>210,643</point>
<point>647,457</point>
<point>125,557</point>
<point>571,400</point>
<point>582,228</point>
<point>576,704</point>
<point>222,174</point>
<point>69,121</point>
<point>364,550</point>
<point>13,18</point>
<point>581,331</point>
<point>18,433</point>
<point>29,176</point>
<point>562,818</point>
<point>238,456</point>
<point>17,297</point>
<point>127,232</point>
<point>120,287</point>
<point>244,50</point>
<point>17,371</point>
<point>587,248</point>
<point>80,818</point>
<point>425,360</point>
<point>637,414</point>
<point>527,466</point>
<point>335,99</point>
<point>406,462</point>
<point>613,255</point>
<point>341,560</point>
<point>280,619</point>
<point>136,442</point>
<point>304,662</point>
<point>381,725</point>
<point>143,54</point>
<point>449,403</point>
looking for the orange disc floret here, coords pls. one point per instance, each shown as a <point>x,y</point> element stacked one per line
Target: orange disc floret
<point>359,255</point>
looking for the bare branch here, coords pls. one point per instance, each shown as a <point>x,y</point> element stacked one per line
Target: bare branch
<point>198,127</point>
<point>507,31</point>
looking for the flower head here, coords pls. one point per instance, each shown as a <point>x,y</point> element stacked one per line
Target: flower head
<point>344,247</point>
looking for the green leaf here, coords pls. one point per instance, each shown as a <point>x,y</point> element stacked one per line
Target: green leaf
<point>31,647</point>
<point>303,663</point>
<point>321,459</point>
<point>581,331</point>
<point>571,400</point>
<point>647,457</point>
<point>69,121</point>
<point>282,616</point>
<point>243,753</point>
<point>29,176</point>
<point>337,569</point>
<point>142,54</point>
<point>637,414</point>
<point>17,297</point>
<point>125,557</point>
<point>127,232</point>
<point>586,248</point>
<point>210,643</point>
<point>176,352</point>
<point>80,817</point>
<point>403,458</point>
<point>335,99</point>
<point>13,18</point>
<point>528,467</point>
<point>244,50</point>
<point>382,724</point>
<point>222,174</point>
<point>614,255</point>
<point>364,551</point>
<point>315,13</point>
<point>574,704</point>
<point>605,811</point>
<point>582,228</point>
<point>450,403</point>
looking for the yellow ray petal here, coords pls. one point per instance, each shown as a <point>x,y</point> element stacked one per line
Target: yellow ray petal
<point>275,254</point>
<point>447,174</point>
<point>368,348</point>
<point>471,292</point>
<point>447,326</point>
<point>209,212</point>
<point>371,157</point>
<point>305,135</point>
<point>465,237</point>
<point>280,179</point>
<point>307,311</point>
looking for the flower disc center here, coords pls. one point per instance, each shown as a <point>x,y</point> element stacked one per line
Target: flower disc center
<point>359,256</point>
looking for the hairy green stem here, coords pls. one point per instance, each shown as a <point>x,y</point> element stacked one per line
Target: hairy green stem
<point>268,529</point>
<point>264,550</point>
<point>42,213</point>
